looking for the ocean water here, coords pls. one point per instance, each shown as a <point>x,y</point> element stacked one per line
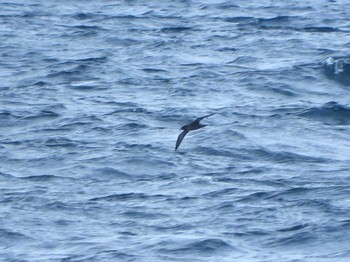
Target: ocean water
<point>92,96</point>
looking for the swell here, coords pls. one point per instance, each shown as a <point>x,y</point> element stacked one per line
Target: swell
<point>331,113</point>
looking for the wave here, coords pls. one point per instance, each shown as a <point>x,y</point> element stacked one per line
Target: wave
<point>44,178</point>
<point>293,228</point>
<point>60,142</point>
<point>105,255</point>
<point>222,192</point>
<point>11,236</point>
<point>86,85</point>
<point>43,114</point>
<point>176,29</point>
<point>58,205</point>
<point>330,113</point>
<point>320,29</point>
<point>297,239</point>
<point>111,173</point>
<point>6,176</point>
<point>128,196</point>
<point>204,246</point>
<point>153,70</point>
<point>338,69</point>
<point>5,115</point>
<point>282,156</point>
<point>84,16</point>
<point>255,196</point>
<point>273,21</point>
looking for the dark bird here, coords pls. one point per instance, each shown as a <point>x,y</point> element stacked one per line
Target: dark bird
<point>187,128</point>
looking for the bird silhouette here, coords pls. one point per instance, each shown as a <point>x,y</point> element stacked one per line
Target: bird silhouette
<point>187,128</point>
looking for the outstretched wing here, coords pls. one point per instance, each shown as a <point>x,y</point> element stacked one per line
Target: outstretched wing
<point>200,118</point>
<point>180,138</point>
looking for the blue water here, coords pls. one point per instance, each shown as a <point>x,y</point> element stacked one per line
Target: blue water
<point>93,94</point>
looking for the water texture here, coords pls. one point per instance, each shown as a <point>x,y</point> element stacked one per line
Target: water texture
<point>93,94</point>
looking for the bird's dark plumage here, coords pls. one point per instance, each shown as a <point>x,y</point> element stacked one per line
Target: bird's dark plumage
<point>180,138</point>
<point>187,128</point>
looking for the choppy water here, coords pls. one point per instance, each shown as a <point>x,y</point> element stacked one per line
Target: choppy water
<point>93,94</point>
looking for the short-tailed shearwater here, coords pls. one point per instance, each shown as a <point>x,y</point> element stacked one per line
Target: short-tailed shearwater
<point>187,128</point>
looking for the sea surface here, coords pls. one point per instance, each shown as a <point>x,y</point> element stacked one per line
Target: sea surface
<point>92,96</point>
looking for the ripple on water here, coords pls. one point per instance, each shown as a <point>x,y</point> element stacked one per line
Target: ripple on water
<point>93,94</point>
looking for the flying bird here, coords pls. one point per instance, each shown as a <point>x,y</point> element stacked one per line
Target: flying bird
<point>187,128</point>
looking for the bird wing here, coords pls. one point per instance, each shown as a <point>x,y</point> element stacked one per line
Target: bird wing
<point>200,118</point>
<point>180,138</point>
